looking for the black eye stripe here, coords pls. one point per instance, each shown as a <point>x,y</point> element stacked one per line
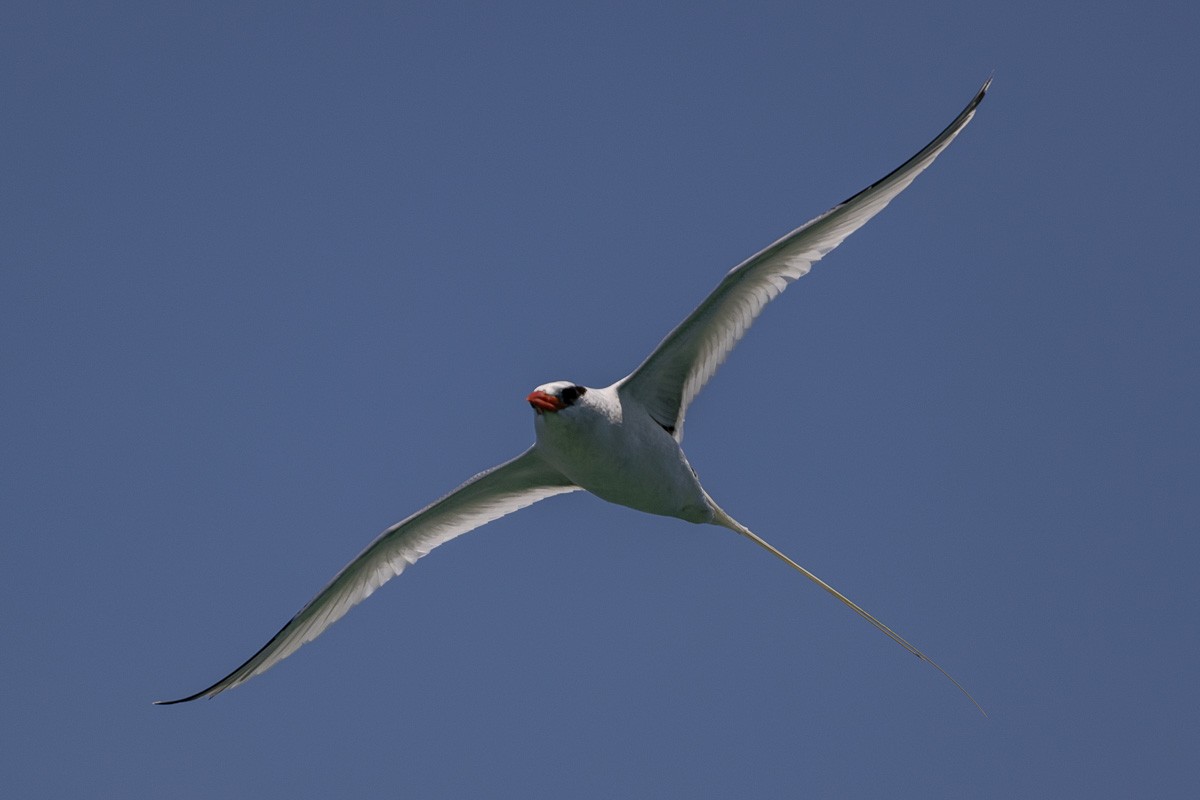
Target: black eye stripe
<point>571,394</point>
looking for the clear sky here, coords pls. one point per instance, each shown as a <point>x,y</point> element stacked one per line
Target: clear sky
<point>273,276</point>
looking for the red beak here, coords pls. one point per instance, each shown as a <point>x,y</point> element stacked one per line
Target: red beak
<point>545,402</point>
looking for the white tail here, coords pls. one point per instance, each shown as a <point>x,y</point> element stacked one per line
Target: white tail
<point>723,519</point>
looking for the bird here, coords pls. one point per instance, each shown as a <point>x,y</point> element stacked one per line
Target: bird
<point>622,443</point>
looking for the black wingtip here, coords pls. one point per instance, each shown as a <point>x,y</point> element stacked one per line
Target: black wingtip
<point>984,89</point>
<point>205,693</point>
<point>979,95</point>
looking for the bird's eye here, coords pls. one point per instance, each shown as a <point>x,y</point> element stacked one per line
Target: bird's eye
<point>571,394</point>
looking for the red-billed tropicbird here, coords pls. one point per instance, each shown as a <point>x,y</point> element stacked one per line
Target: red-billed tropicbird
<point>622,442</point>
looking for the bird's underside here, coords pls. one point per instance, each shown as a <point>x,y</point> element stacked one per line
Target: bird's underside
<point>621,442</point>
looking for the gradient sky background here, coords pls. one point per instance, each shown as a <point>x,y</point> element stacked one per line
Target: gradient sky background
<point>275,276</point>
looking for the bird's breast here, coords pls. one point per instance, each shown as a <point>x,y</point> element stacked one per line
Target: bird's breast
<point>623,459</point>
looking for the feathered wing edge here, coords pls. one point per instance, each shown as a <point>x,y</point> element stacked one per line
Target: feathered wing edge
<point>669,379</point>
<point>489,495</point>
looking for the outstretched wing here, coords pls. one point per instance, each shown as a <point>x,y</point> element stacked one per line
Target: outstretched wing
<point>490,495</point>
<point>668,381</point>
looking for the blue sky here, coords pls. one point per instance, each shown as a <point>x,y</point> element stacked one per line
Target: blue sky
<point>272,277</point>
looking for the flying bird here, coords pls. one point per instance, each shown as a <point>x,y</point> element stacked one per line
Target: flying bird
<point>621,442</point>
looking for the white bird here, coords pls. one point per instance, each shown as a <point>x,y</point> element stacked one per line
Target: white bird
<point>622,442</point>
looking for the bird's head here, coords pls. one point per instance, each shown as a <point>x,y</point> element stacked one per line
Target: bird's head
<point>550,398</point>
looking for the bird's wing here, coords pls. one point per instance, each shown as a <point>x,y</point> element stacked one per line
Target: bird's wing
<point>490,495</point>
<point>668,381</point>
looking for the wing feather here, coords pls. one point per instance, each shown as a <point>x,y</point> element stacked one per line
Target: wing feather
<point>671,377</point>
<point>501,490</point>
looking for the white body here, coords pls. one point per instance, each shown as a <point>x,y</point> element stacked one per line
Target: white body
<point>612,448</point>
